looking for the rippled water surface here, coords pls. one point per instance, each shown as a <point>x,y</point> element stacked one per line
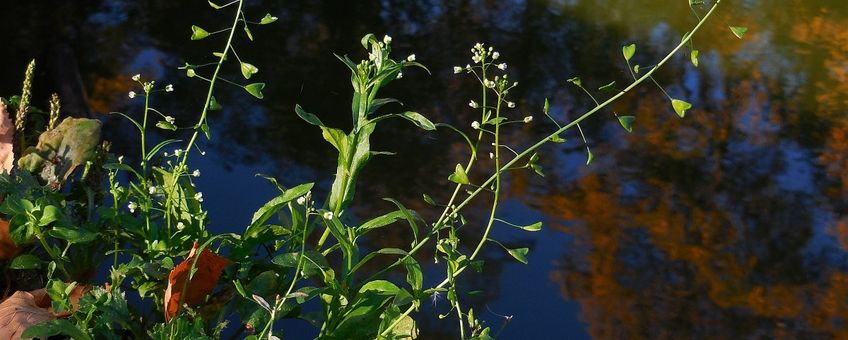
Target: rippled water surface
<point>730,223</point>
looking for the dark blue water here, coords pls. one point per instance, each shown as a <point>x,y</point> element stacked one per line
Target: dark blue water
<point>730,223</point>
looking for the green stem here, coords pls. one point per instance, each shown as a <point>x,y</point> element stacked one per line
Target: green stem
<point>546,139</point>
<point>52,254</point>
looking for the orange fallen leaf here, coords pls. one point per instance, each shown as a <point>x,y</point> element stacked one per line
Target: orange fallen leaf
<point>8,249</point>
<point>208,270</point>
<point>21,310</point>
<point>7,136</point>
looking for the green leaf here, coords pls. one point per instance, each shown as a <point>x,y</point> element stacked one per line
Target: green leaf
<point>240,289</point>
<point>680,107</point>
<point>248,70</point>
<point>589,157</point>
<point>26,261</point>
<point>576,81</point>
<point>267,19</point>
<point>308,117</point>
<point>626,122</point>
<point>165,125</point>
<point>205,128</point>
<point>636,69</point>
<point>459,176</point>
<point>219,55</point>
<point>214,105</point>
<point>738,31</point>
<point>198,33</point>
<point>537,169</point>
<point>247,32</point>
<point>547,106</point>
<point>419,120</point>
<point>313,261</point>
<point>381,221</point>
<point>54,327</point>
<point>533,227</point>
<point>519,254</point>
<point>255,89</point>
<point>153,151</point>
<point>49,214</point>
<point>269,209</point>
<point>73,235</point>
<point>628,51</point>
<point>214,5</point>
<point>429,199</point>
<point>414,276</point>
<point>557,139</point>
<point>608,87</point>
<point>694,57</point>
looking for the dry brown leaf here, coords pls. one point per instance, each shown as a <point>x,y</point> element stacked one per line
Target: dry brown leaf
<point>7,136</point>
<point>21,310</point>
<point>208,270</point>
<point>8,249</point>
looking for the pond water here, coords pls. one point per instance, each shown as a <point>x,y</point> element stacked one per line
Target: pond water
<point>728,223</point>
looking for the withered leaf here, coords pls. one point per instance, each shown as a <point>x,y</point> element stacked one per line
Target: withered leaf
<point>208,271</point>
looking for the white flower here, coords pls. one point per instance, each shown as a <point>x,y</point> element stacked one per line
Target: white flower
<point>196,173</point>
<point>496,55</point>
<point>120,159</point>
<point>132,206</point>
<point>478,46</point>
<point>457,69</point>
<point>180,226</point>
<point>165,154</point>
<point>528,119</point>
<point>400,75</point>
<point>502,66</point>
<point>475,125</point>
<point>136,77</point>
<point>468,67</point>
<point>372,56</point>
<point>169,88</point>
<point>387,39</point>
<point>301,200</point>
<point>488,83</point>
<point>170,119</point>
<point>199,196</point>
<point>328,215</point>
<point>491,155</point>
<point>410,58</point>
<point>131,94</point>
<point>510,105</point>
<point>476,58</point>
<point>473,104</point>
<point>151,190</point>
<point>178,152</point>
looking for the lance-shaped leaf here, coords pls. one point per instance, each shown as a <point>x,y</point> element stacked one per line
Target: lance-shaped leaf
<point>419,120</point>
